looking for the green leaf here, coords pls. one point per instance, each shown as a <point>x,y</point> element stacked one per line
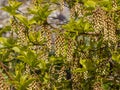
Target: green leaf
<point>6,42</point>
<point>23,19</point>
<point>83,62</point>
<point>31,55</point>
<point>90,4</point>
<point>40,13</point>
<point>32,36</point>
<point>29,81</point>
<point>23,78</point>
<point>16,49</point>
<point>42,65</point>
<point>79,70</point>
<point>13,6</point>
<point>17,75</point>
<point>54,88</point>
<point>106,5</point>
<point>3,40</point>
<point>116,57</point>
<point>9,9</point>
<point>46,78</point>
<point>87,26</point>
<point>31,21</point>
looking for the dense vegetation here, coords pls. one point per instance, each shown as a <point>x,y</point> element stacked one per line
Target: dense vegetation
<point>83,54</point>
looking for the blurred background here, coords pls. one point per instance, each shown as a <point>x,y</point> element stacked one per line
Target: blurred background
<point>4,16</point>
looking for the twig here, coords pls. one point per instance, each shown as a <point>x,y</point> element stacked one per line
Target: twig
<point>4,68</point>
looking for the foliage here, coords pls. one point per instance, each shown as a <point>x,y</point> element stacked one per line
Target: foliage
<point>27,56</point>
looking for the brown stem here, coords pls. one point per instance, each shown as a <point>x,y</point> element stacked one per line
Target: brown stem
<point>4,68</point>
